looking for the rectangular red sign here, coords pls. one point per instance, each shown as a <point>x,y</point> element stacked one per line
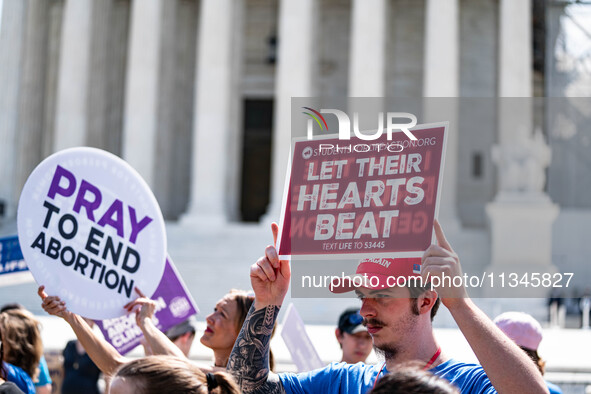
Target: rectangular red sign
<point>366,198</point>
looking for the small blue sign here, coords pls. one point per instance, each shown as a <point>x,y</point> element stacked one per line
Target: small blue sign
<point>11,256</point>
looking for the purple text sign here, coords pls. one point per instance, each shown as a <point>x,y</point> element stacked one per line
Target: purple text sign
<point>174,305</point>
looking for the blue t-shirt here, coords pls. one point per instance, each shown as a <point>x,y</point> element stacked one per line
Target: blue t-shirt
<point>44,377</point>
<point>360,378</point>
<point>554,389</point>
<point>19,377</point>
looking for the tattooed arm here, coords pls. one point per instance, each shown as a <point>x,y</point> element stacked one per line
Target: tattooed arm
<point>249,361</point>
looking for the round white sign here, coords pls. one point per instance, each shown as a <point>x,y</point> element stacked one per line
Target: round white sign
<point>91,231</point>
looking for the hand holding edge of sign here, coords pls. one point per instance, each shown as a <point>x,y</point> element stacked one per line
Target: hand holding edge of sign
<point>53,305</point>
<point>144,309</point>
<point>270,276</point>
<point>507,367</point>
<point>440,261</point>
<point>102,353</point>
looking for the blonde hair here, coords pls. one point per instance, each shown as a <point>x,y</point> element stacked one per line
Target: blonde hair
<point>21,340</point>
<point>167,374</point>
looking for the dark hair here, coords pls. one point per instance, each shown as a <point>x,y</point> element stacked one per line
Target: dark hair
<point>172,339</point>
<point>23,340</point>
<point>167,374</point>
<point>533,354</point>
<point>244,301</point>
<point>10,306</point>
<point>412,379</point>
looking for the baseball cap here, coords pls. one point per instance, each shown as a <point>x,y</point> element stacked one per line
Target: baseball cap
<point>189,325</point>
<point>521,327</point>
<point>373,274</point>
<point>350,321</point>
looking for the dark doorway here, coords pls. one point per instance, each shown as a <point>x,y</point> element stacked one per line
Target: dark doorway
<point>256,158</point>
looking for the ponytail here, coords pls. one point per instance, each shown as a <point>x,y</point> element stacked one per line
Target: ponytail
<point>224,383</point>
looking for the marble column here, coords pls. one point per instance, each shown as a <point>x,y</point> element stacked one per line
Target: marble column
<point>215,126</point>
<point>140,127</point>
<point>74,70</point>
<point>515,71</point>
<point>32,91</point>
<point>521,216</point>
<point>294,78</point>
<point>515,48</point>
<point>11,58</point>
<point>368,48</point>
<point>441,89</point>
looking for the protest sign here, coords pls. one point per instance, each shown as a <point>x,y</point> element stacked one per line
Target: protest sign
<point>174,306</point>
<point>293,332</point>
<point>363,198</point>
<point>13,269</point>
<point>91,230</point>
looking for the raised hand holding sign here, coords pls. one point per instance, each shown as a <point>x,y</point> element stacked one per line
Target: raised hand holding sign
<point>270,276</point>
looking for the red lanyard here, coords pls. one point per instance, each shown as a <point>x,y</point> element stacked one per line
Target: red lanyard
<point>435,356</point>
<point>431,361</point>
<point>378,376</point>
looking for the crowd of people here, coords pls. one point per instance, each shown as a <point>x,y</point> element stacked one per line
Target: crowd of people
<point>395,321</point>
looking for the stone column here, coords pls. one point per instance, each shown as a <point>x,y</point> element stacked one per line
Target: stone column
<point>515,48</point>
<point>440,89</point>
<point>142,92</point>
<point>522,214</point>
<point>74,69</point>
<point>368,48</point>
<point>515,71</point>
<point>11,58</point>
<point>32,91</point>
<point>214,127</point>
<point>294,78</point>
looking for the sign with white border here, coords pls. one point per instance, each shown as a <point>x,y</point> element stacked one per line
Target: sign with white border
<point>362,199</point>
<point>91,231</point>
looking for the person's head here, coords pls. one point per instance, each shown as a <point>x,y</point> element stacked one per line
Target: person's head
<point>225,322</point>
<point>183,334</point>
<point>166,374</point>
<point>396,306</point>
<point>525,331</point>
<point>353,337</point>
<point>21,340</point>
<point>412,379</point>
<point>11,305</point>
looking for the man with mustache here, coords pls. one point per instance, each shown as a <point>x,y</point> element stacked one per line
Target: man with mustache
<point>399,320</point>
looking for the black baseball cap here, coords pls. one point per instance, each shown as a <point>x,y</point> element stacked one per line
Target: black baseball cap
<point>350,321</point>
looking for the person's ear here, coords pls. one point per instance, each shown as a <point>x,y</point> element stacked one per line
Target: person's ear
<point>426,301</point>
<point>186,336</point>
<point>338,334</point>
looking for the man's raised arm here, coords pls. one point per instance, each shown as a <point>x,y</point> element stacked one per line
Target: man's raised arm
<point>249,361</point>
<point>506,365</point>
